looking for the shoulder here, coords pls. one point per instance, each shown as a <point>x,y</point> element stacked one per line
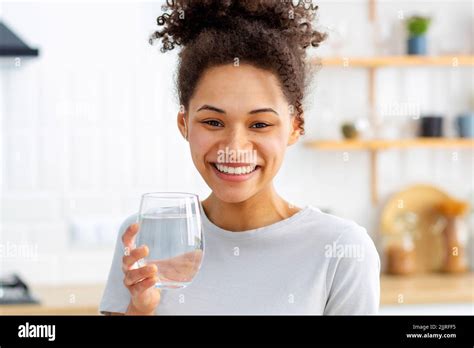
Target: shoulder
<point>329,227</point>
<point>352,263</point>
<point>339,237</point>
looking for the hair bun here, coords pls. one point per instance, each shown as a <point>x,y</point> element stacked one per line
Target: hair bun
<point>184,20</point>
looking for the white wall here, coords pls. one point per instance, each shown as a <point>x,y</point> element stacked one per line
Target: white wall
<point>89,126</point>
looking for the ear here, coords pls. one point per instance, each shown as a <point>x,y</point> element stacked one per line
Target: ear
<point>295,131</point>
<point>183,124</point>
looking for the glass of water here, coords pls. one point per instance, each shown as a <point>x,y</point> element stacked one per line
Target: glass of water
<point>170,226</point>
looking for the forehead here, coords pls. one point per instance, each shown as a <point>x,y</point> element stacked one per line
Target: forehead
<point>233,87</point>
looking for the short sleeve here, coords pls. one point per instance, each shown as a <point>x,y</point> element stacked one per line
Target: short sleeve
<point>116,296</point>
<point>355,285</point>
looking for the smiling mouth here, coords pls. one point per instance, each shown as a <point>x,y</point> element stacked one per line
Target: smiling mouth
<point>233,169</point>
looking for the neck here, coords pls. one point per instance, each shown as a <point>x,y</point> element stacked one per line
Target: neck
<point>263,209</point>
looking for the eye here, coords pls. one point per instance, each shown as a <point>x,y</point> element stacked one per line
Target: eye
<point>213,123</point>
<point>259,125</point>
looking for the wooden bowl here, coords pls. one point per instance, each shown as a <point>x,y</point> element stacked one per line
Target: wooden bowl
<point>422,200</point>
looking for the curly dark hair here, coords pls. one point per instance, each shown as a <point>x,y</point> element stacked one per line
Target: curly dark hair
<point>268,34</point>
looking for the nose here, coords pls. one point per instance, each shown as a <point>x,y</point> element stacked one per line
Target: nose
<point>236,138</point>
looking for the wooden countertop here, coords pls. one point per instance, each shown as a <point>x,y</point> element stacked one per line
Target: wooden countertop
<point>427,288</point>
<point>60,300</point>
<point>416,289</point>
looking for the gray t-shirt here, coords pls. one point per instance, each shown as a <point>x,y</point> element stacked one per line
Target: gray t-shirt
<point>310,263</point>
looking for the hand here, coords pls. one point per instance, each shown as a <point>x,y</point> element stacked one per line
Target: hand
<point>140,282</point>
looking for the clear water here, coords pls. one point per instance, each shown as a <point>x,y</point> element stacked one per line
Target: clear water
<point>176,247</point>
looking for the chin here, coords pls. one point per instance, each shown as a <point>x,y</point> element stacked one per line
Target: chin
<point>232,195</point>
<point>231,190</point>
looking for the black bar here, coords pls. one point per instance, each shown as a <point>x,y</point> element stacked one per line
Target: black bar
<point>191,330</point>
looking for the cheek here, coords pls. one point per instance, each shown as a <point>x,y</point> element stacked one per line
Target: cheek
<point>273,147</point>
<point>200,144</point>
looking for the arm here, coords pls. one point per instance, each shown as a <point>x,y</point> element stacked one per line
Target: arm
<point>355,279</point>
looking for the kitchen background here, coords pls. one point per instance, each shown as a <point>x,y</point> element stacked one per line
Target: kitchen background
<point>88,125</point>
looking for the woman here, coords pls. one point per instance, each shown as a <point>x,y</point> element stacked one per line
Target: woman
<point>241,81</point>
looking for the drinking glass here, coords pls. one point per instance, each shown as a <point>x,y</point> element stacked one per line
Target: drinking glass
<point>170,226</point>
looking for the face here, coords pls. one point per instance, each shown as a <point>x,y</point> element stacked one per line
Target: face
<point>239,125</point>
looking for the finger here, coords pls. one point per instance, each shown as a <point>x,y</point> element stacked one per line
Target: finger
<point>144,285</point>
<point>128,238</point>
<point>136,254</point>
<point>135,275</point>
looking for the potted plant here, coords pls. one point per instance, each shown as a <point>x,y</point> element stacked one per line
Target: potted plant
<point>417,27</point>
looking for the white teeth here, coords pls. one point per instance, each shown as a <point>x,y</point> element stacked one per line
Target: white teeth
<point>235,170</point>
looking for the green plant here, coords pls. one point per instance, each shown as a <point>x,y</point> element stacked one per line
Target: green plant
<point>349,130</point>
<point>418,25</point>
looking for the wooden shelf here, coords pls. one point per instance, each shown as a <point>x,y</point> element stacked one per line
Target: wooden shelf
<point>395,61</point>
<point>427,288</point>
<point>376,145</point>
<point>382,144</point>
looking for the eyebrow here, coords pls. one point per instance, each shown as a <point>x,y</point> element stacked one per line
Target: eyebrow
<point>256,111</point>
